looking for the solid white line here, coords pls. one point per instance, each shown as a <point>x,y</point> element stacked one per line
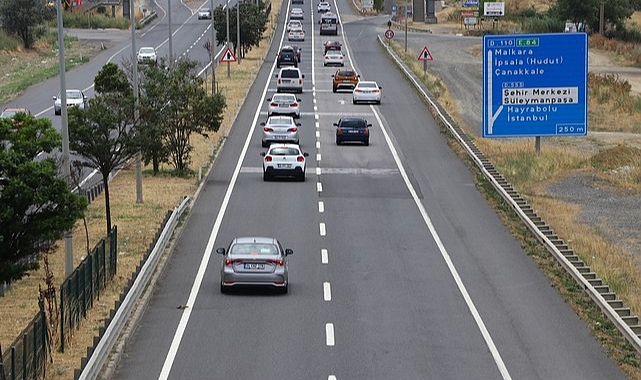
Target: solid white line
<point>321,206</point>
<point>319,187</point>
<point>322,230</point>
<point>206,255</point>
<point>324,256</point>
<point>446,256</point>
<point>329,334</point>
<point>327,291</point>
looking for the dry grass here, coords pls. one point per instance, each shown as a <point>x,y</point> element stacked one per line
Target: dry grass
<point>137,224</point>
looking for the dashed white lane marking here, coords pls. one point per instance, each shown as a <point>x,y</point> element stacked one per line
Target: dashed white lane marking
<point>318,171</point>
<point>317,144</point>
<point>318,156</point>
<point>329,334</point>
<point>322,231</point>
<point>327,291</point>
<point>324,256</point>
<point>321,206</point>
<point>319,187</point>
<point>317,134</point>
<point>331,377</point>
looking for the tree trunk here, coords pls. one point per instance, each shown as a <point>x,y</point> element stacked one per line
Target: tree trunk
<point>105,182</point>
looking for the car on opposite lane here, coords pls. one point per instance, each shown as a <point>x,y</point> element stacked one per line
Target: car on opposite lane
<point>367,92</point>
<point>284,160</point>
<point>284,104</point>
<point>9,113</point>
<point>204,14</point>
<point>352,129</point>
<point>279,129</point>
<point>147,54</point>
<point>75,98</point>
<point>254,261</point>
<point>344,79</point>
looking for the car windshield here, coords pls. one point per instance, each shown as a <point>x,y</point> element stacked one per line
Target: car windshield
<point>253,249</point>
<point>147,50</point>
<point>73,94</point>
<point>353,123</point>
<point>284,152</point>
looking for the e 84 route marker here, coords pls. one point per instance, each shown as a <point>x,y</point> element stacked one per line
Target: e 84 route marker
<point>535,85</point>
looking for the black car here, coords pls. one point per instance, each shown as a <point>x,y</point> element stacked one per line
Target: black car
<point>287,57</point>
<point>352,129</point>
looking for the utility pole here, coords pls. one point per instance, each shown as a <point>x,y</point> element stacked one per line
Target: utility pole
<point>136,101</point>
<point>227,20</point>
<point>66,164</point>
<point>212,50</point>
<point>238,31</point>
<point>171,49</point>
<point>406,26</point>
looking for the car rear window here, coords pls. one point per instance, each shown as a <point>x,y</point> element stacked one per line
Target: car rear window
<point>353,124</point>
<point>346,73</point>
<point>254,249</point>
<point>284,152</point>
<point>289,74</point>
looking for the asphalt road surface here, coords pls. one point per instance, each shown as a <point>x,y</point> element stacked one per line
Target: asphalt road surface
<point>401,270</point>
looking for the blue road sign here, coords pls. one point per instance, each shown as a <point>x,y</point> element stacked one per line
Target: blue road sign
<point>535,85</point>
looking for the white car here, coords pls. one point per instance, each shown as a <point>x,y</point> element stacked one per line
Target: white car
<point>334,57</point>
<point>368,92</point>
<point>147,54</point>
<point>279,129</point>
<point>284,104</point>
<point>324,6</point>
<point>294,24</point>
<point>296,14</point>
<point>75,98</point>
<point>290,79</point>
<point>204,14</point>
<point>284,160</point>
<point>296,35</point>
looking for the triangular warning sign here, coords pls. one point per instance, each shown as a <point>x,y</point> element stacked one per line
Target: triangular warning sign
<point>228,56</point>
<point>425,55</point>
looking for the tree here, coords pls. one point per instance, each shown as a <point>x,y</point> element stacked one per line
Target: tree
<point>24,18</point>
<point>104,133</point>
<point>174,104</point>
<point>587,11</point>
<point>36,206</point>
<point>253,22</point>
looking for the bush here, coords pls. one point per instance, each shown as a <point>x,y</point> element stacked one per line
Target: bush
<point>8,42</point>
<point>93,21</point>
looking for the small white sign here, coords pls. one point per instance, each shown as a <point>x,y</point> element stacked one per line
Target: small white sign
<point>493,9</point>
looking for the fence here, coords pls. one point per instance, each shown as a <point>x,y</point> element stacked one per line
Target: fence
<point>26,358</point>
<point>84,284</point>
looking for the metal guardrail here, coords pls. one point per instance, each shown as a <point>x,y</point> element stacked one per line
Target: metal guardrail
<point>103,349</point>
<point>597,290</point>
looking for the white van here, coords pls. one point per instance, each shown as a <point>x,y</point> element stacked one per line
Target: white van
<point>329,24</point>
<point>290,79</point>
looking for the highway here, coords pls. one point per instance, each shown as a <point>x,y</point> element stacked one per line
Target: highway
<point>400,268</point>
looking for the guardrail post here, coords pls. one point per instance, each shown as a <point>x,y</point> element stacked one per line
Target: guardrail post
<point>13,362</point>
<point>24,356</point>
<point>62,317</point>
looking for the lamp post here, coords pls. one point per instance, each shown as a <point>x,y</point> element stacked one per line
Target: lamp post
<point>171,49</point>
<point>406,26</point>
<point>132,17</point>
<point>227,20</point>
<point>66,165</point>
<point>238,31</point>
<point>212,50</point>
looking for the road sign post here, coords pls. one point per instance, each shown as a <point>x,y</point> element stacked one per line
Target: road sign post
<point>425,56</point>
<point>535,85</point>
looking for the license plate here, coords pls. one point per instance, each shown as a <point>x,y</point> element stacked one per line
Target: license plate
<point>280,137</point>
<point>284,166</point>
<point>254,266</point>
<point>352,131</point>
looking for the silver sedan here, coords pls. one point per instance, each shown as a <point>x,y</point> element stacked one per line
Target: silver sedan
<point>279,129</point>
<point>254,261</point>
<point>284,104</point>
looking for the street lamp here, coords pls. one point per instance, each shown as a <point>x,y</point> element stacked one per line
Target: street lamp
<point>212,50</point>
<point>406,26</point>
<point>227,20</point>
<point>66,166</point>
<point>132,19</point>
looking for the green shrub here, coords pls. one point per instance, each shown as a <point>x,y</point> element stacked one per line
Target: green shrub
<point>92,21</point>
<point>8,42</point>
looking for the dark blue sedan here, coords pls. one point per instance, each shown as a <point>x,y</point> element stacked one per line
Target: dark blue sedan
<point>352,129</point>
